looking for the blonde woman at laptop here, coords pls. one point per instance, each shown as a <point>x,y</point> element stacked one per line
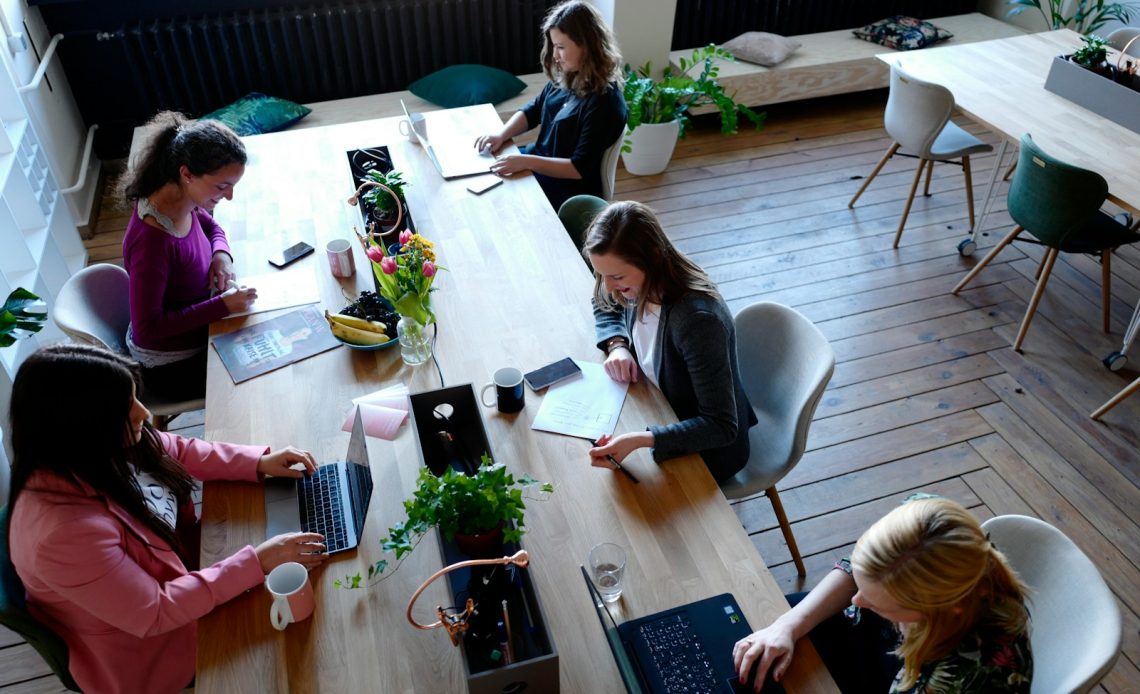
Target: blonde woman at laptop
<point>932,607</point>
<point>580,112</point>
<point>102,526</point>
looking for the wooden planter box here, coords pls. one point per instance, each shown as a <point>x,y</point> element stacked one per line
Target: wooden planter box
<point>535,665</point>
<point>1097,93</point>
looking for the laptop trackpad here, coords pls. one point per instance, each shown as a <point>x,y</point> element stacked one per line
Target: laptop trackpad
<point>282,513</point>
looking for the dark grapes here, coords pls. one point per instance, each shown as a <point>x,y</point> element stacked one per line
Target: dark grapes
<point>371,306</point>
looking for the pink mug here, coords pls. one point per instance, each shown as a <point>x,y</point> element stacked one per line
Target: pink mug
<point>340,258</point>
<point>292,594</point>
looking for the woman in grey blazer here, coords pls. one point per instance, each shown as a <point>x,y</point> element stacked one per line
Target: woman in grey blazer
<point>657,314</point>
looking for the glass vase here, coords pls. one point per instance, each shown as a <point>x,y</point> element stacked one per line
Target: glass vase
<point>415,344</point>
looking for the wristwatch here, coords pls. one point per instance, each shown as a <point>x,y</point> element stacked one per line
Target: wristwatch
<point>616,341</point>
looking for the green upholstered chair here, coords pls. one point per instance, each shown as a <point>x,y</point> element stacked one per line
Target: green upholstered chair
<point>1059,205</point>
<point>577,213</point>
<point>15,616</point>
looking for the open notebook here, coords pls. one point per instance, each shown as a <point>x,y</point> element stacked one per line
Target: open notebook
<point>450,148</point>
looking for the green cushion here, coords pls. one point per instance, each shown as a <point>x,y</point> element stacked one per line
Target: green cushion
<point>255,113</point>
<point>467,85</point>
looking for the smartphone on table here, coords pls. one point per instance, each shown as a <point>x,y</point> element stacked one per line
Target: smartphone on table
<point>290,254</point>
<point>551,374</point>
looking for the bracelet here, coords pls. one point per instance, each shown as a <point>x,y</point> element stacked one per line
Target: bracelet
<point>615,342</point>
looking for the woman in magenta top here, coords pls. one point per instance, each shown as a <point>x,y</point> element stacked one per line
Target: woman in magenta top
<point>102,528</point>
<point>180,266</point>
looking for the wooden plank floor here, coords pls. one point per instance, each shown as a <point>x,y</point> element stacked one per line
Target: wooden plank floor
<point>927,393</point>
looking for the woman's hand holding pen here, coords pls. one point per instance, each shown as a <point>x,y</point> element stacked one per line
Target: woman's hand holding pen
<point>221,272</point>
<point>238,299</point>
<point>619,447</point>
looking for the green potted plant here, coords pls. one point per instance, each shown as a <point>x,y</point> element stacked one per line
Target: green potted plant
<point>479,512</point>
<point>659,109</point>
<point>17,320</point>
<point>381,197</point>
<point>1092,55</point>
<point>1086,15</point>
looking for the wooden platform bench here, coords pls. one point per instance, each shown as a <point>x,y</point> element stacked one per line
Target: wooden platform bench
<point>835,62</point>
<point>372,106</point>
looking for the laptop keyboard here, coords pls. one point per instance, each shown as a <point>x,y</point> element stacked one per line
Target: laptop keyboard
<point>321,507</point>
<point>680,656</point>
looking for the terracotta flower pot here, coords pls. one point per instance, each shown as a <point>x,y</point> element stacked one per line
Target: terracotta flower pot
<point>485,545</point>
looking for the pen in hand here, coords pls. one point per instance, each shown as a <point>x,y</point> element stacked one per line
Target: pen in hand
<point>618,465</point>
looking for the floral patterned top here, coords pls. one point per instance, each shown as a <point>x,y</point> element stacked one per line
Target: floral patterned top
<point>987,660</point>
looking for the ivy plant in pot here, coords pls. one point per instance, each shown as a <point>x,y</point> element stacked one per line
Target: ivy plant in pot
<point>659,109</point>
<point>1093,55</point>
<point>479,512</point>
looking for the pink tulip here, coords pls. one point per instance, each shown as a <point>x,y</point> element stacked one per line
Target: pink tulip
<point>388,265</point>
<point>429,269</point>
<point>405,236</point>
<point>375,254</point>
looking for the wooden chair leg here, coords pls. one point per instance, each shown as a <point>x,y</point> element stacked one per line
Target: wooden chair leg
<point>969,188</point>
<point>1106,285</point>
<point>1050,258</point>
<point>875,172</point>
<point>1040,267</point>
<point>1116,399</point>
<point>909,201</point>
<point>786,528</point>
<point>1010,170</point>
<point>929,173</point>
<point>989,256</point>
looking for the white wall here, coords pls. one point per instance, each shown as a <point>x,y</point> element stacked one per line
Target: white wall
<point>644,29</point>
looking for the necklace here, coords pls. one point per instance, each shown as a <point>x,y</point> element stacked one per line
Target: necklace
<point>146,208</point>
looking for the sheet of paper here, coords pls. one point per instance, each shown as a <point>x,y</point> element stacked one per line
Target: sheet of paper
<point>379,422</point>
<point>394,397</point>
<point>281,289</point>
<point>585,407</point>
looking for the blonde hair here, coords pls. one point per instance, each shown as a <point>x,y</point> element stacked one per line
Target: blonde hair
<point>601,60</point>
<point>632,232</point>
<point>931,556</point>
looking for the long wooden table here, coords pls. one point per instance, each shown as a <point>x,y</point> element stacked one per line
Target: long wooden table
<point>515,293</point>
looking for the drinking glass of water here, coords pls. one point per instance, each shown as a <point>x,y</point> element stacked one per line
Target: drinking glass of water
<point>607,566</point>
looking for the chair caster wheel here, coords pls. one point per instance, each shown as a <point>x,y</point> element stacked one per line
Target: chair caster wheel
<point>1114,361</point>
<point>967,247</point>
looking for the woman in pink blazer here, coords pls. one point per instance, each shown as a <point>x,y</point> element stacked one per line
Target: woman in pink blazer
<point>102,525</point>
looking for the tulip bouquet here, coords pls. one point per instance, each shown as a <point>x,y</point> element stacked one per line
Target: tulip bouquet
<point>404,278</point>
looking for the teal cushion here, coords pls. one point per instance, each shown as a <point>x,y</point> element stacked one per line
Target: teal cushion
<point>467,85</point>
<point>255,113</point>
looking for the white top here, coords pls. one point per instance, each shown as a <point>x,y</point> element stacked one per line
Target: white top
<point>159,499</point>
<point>645,346</point>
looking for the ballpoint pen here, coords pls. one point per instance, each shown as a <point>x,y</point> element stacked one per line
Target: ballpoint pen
<point>618,465</point>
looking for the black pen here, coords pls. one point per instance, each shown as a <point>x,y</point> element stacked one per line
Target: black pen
<point>619,466</point>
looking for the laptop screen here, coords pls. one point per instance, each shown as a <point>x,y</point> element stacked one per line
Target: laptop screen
<point>621,656</point>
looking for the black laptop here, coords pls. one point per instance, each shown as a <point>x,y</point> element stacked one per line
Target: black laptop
<point>685,649</point>
<point>332,501</point>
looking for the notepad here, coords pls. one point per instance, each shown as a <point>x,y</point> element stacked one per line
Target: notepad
<point>585,407</point>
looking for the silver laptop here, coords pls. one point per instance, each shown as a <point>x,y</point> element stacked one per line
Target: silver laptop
<point>332,501</point>
<point>450,149</point>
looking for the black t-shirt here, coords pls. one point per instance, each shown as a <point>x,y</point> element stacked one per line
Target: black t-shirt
<point>578,128</point>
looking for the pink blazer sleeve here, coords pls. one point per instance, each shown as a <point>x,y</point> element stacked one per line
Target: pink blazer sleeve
<point>214,461</point>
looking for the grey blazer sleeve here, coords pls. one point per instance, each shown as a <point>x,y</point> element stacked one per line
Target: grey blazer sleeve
<point>609,324</point>
<point>702,340</point>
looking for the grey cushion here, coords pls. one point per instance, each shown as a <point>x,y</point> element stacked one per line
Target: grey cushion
<point>762,48</point>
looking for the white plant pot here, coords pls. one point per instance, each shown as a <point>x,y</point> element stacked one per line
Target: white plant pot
<point>651,148</point>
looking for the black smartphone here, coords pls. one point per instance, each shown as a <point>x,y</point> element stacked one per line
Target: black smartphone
<point>290,254</point>
<point>551,374</point>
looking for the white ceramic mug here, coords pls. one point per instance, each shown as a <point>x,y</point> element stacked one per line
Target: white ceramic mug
<point>406,131</point>
<point>340,258</point>
<point>292,594</point>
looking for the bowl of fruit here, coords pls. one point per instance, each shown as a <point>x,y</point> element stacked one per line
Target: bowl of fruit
<point>369,323</point>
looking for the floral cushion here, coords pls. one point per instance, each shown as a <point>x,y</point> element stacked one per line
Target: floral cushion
<point>255,113</point>
<point>902,33</point>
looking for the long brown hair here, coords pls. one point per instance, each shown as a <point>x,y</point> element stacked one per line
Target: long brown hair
<point>632,232</point>
<point>202,146</point>
<point>601,60</point>
<point>97,387</point>
<point>931,556</point>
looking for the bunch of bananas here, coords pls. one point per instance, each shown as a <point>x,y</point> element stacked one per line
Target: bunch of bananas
<point>357,331</point>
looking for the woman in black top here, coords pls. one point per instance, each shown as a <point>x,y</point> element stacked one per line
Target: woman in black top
<point>580,112</point>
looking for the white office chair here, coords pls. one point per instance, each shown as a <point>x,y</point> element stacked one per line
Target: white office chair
<point>918,120</point>
<point>609,167</point>
<point>93,308</point>
<point>1075,629</point>
<point>785,364</point>
<point>1119,39</point>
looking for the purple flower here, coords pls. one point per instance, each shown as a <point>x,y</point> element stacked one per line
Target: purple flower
<point>405,236</point>
<point>375,254</point>
<point>388,265</point>
<point>429,269</point>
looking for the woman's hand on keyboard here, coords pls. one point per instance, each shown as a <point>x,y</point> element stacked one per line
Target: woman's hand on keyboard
<point>280,463</point>
<point>768,649</point>
<point>304,548</point>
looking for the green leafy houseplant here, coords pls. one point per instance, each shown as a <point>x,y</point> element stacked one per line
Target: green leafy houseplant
<point>456,503</point>
<point>672,97</point>
<point>382,203</point>
<point>1092,54</point>
<point>1084,16</point>
<point>18,319</point>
